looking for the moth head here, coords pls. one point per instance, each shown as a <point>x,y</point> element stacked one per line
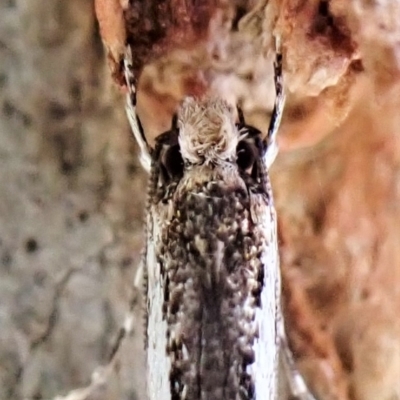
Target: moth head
<point>207,133</point>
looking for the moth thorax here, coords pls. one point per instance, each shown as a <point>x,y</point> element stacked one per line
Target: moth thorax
<point>207,131</point>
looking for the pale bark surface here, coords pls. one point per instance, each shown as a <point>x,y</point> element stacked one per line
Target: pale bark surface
<point>70,207</point>
<point>72,191</point>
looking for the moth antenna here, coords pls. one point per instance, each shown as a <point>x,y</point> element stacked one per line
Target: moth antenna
<point>276,116</point>
<point>130,107</point>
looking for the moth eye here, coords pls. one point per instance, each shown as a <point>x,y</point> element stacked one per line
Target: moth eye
<point>246,154</point>
<point>172,161</point>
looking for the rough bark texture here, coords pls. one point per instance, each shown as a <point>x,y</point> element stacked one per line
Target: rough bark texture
<point>71,198</point>
<point>70,208</point>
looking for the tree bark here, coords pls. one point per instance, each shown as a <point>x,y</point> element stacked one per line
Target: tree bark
<point>71,190</point>
<point>70,206</point>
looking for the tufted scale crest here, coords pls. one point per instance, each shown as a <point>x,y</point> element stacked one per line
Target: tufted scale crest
<point>207,131</point>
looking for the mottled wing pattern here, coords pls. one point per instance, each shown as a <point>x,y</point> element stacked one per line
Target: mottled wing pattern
<point>213,280</point>
<point>172,367</point>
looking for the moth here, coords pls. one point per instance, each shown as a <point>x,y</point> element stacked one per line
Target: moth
<point>214,327</point>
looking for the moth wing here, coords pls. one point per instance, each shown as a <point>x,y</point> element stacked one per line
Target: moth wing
<point>158,364</point>
<point>265,368</point>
